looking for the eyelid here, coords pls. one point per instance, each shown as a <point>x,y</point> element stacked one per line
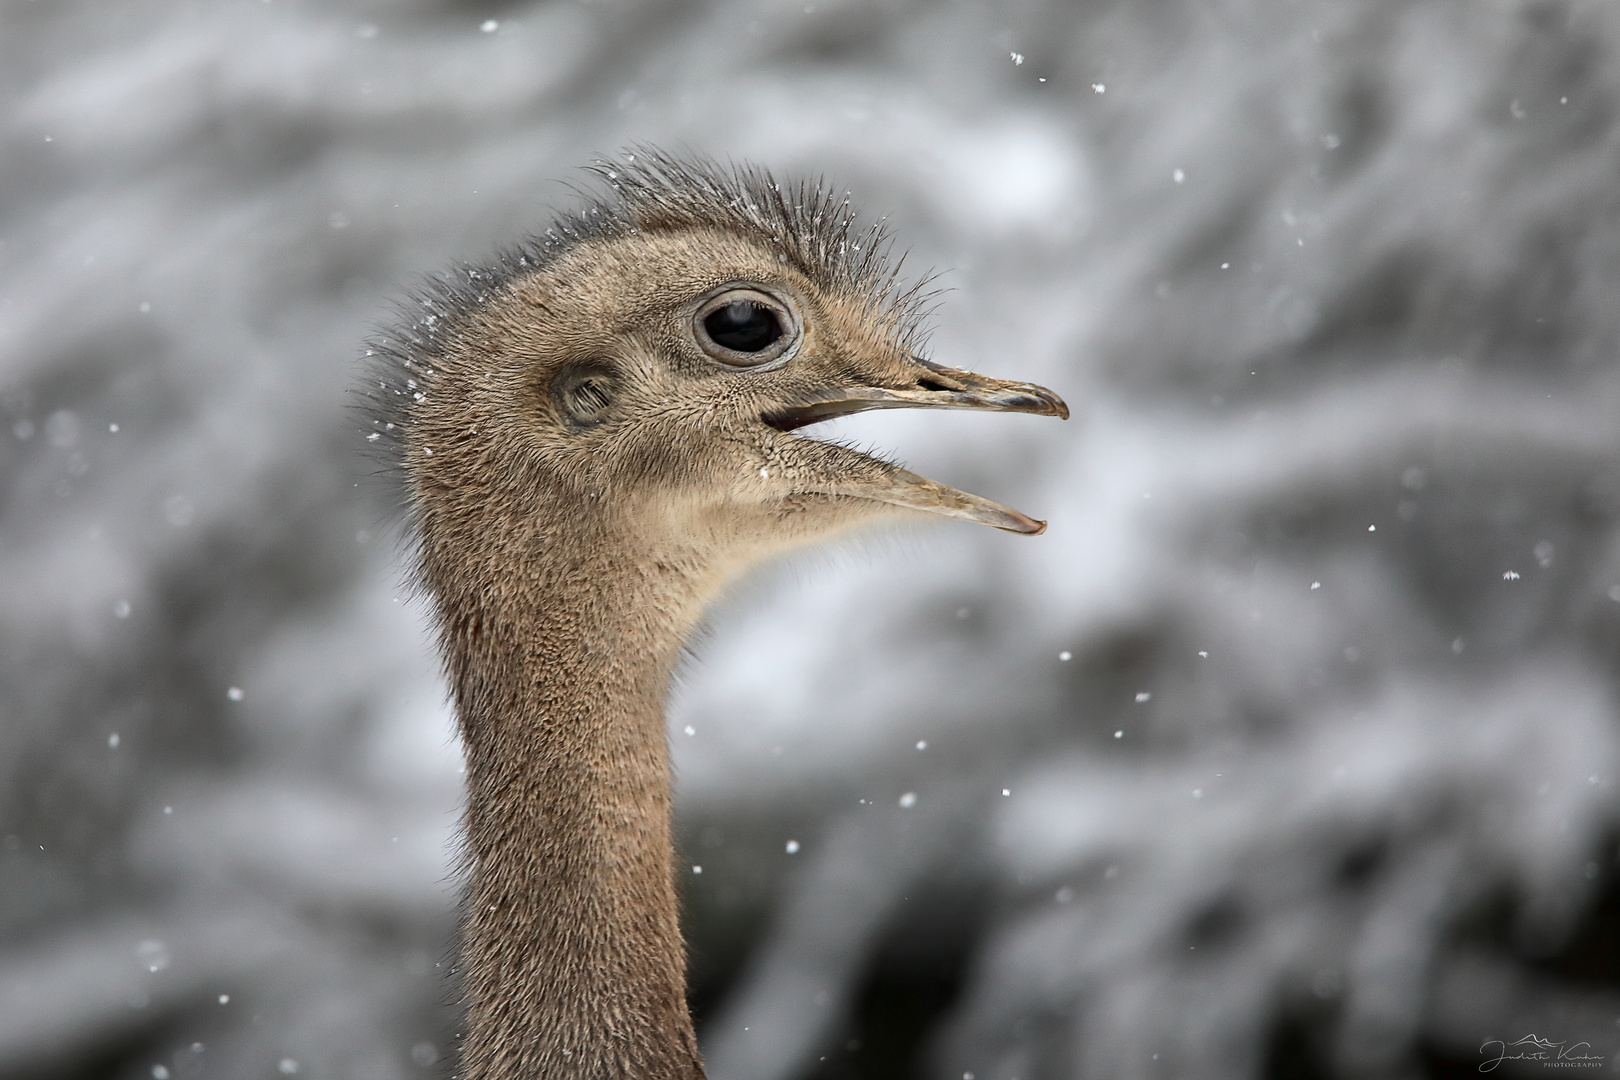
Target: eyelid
<point>772,356</point>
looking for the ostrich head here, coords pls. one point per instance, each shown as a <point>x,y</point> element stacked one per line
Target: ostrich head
<point>636,380</point>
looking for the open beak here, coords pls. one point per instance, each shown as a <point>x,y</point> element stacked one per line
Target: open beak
<point>931,387</point>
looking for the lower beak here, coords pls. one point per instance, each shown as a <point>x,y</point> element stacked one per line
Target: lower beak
<point>934,387</point>
<point>897,487</point>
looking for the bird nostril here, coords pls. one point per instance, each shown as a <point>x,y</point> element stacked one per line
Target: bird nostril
<point>930,384</point>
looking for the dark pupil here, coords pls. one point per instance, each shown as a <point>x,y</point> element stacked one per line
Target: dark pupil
<point>743,326</point>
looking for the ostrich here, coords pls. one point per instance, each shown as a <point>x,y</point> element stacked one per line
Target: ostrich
<point>596,434</point>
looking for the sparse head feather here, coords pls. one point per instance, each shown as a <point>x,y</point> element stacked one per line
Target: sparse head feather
<point>813,225</point>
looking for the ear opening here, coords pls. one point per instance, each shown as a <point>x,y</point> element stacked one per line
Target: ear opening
<point>583,394</point>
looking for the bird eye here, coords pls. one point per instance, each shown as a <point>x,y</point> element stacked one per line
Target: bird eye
<point>745,328</point>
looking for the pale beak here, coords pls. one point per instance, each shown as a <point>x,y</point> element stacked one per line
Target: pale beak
<point>901,488</point>
<point>933,387</point>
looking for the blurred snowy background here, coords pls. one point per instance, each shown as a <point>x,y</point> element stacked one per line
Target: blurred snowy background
<point>1290,751</point>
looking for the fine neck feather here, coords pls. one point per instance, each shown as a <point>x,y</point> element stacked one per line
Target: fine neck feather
<point>573,959</point>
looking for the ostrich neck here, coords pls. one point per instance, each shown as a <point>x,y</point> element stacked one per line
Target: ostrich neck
<point>573,961</point>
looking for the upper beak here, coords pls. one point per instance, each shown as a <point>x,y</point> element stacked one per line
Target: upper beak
<point>931,387</point>
<point>934,387</point>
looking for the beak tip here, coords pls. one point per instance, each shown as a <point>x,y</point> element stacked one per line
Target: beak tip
<point>1022,524</point>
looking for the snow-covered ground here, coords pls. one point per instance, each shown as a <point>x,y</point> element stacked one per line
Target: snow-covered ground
<point>1290,750</point>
